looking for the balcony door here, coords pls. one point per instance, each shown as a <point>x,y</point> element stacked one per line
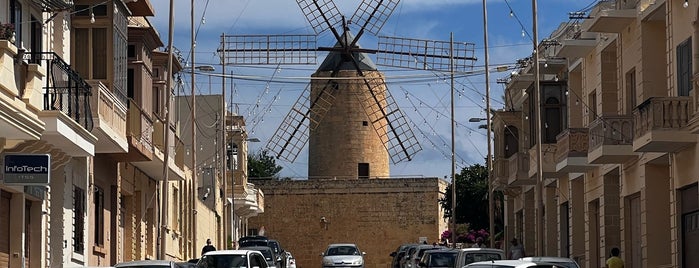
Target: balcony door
<point>690,226</point>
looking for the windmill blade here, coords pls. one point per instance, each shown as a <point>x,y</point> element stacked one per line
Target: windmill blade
<point>291,136</point>
<point>268,49</point>
<point>422,54</point>
<point>388,121</point>
<point>319,13</point>
<point>371,15</point>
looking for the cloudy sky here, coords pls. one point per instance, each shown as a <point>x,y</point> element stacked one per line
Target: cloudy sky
<point>266,100</point>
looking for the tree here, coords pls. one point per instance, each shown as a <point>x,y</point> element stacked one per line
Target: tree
<point>472,199</point>
<point>262,165</point>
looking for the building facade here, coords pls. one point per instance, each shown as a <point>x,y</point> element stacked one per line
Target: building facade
<point>85,83</point>
<point>618,134</point>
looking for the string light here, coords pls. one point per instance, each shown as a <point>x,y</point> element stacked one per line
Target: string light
<point>203,20</point>
<point>92,17</point>
<point>685,4</point>
<point>512,14</point>
<point>524,33</point>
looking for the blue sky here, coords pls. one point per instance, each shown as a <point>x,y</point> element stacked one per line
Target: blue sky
<point>425,103</point>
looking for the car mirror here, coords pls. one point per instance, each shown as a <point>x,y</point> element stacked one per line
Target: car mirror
<point>393,254</point>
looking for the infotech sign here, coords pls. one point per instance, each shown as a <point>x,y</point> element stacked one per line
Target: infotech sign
<point>27,169</point>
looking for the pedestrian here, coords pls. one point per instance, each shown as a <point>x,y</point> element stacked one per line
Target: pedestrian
<point>208,247</point>
<point>479,243</point>
<point>516,250</point>
<point>614,261</point>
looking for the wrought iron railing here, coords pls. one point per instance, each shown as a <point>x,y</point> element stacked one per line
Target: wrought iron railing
<point>65,90</point>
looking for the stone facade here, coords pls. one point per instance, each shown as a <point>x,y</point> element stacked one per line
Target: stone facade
<point>377,215</point>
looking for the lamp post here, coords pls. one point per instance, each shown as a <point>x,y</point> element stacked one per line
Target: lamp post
<point>489,162</point>
<point>208,69</point>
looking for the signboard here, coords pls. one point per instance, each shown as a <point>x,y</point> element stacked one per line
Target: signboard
<point>27,169</point>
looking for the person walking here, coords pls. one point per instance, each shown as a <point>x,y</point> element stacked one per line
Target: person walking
<point>614,261</point>
<point>516,250</point>
<point>208,247</point>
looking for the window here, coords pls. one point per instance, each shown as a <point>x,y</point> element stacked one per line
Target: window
<point>511,141</point>
<point>16,19</point>
<point>630,80</point>
<point>175,208</point>
<point>592,106</point>
<point>131,53</point>
<point>78,219</point>
<point>684,68</point>
<point>553,112</point>
<point>36,38</point>
<point>93,64</point>
<point>363,170</point>
<point>99,216</point>
<point>130,83</point>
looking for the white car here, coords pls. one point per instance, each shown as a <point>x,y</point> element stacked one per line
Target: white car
<point>232,258</point>
<point>511,264</point>
<point>343,255</point>
<point>565,262</point>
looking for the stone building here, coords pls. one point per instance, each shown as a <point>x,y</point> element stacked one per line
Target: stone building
<point>619,126</point>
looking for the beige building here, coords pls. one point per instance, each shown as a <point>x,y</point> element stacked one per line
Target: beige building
<point>88,88</point>
<point>619,126</point>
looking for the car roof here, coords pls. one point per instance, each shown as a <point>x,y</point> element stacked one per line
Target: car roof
<point>512,263</point>
<point>144,262</point>
<point>257,248</point>
<point>547,259</point>
<point>230,252</point>
<point>482,249</point>
<point>342,245</point>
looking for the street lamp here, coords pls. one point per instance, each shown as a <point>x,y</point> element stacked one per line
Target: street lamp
<point>208,69</point>
<point>489,163</point>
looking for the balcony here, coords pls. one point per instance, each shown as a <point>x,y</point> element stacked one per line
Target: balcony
<point>518,170</point>
<point>605,18</point>
<point>66,106</point>
<point>571,151</point>
<point>574,43</point>
<point>517,89</point>
<point>249,201</point>
<point>154,168</point>
<point>500,171</point>
<point>109,115</point>
<point>548,155</point>
<point>694,121</point>
<point>139,135</point>
<point>54,5</point>
<point>611,140</point>
<point>660,125</point>
<point>17,121</point>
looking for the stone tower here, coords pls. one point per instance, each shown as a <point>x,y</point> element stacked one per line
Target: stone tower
<point>345,143</point>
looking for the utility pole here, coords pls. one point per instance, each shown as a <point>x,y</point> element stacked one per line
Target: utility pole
<point>227,230</point>
<point>489,162</point>
<point>193,150</point>
<point>166,129</point>
<point>453,161</point>
<point>538,202</point>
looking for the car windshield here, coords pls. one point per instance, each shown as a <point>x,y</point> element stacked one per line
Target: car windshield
<point>223,261</point>
<point>342,250</point>
<point>267,254</point>
<point>476,257</point>
<point>442,259</point>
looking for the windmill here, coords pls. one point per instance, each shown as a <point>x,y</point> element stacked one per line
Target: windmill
<point>346,114</point>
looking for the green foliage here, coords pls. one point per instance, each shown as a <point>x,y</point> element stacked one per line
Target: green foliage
<point>472,199</point>
<point>261,165</point>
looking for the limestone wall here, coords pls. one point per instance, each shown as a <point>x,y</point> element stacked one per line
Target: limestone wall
<point>377,215</point>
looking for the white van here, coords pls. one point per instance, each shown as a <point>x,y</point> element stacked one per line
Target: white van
<point>471,255</point>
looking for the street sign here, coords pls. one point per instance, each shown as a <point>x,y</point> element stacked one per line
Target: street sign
<point>27,169</point>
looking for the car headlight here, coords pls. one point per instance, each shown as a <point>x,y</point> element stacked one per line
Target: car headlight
<point>357,262</point>
<point>328,262</point>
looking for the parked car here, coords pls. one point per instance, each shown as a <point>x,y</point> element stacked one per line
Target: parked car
<point>414,259</point>
<point>232,258</point>
<point>290,260</point>
<point>399,254</point>
<point>471,255</point>
<point>343,255</point>
<point>563,262</point>
<point>258,240</point>
<point>148,264</point>
<point>511,264</point>
<point>405,261</point>
<point>273,260</point>
<point>439,258</point>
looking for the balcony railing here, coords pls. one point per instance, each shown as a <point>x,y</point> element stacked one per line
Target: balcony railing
<point>572,142</point>
<point>65,91</point>
<point>611,130</point>
<point>662,113</point>
<point>108,108</point>
<point>140,126</point>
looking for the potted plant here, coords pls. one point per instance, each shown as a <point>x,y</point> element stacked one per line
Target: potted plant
<point>7,32</point>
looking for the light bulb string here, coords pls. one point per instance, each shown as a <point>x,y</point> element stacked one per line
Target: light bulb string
<point>521,25</point>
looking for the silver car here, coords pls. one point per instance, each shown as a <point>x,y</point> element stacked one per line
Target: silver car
<point>343,255</point>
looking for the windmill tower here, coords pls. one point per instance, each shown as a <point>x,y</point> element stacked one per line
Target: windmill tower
<point>346,114</point>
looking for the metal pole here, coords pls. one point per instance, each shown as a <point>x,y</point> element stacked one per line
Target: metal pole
<point>193,151</point>
<point>538,206</point>
<point>166,130</point>
<point>489,162</point>
<point>453,162</point>
<point>222,147</point>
